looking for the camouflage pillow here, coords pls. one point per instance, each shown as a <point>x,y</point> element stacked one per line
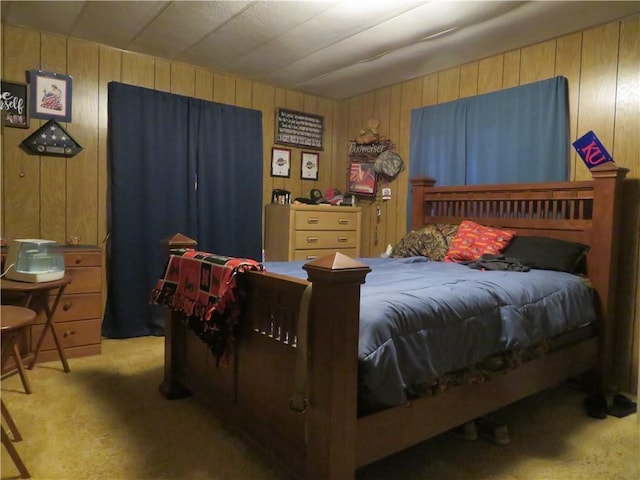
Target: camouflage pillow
<point>430,241</point>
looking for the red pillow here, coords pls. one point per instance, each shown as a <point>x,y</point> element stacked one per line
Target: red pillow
<point>473,240</point>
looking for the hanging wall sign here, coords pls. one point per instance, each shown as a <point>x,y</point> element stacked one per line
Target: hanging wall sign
<point>51,139</point>
<point>591,150</point>
<point>299,129</point>
<point>369,151</point>
<point>371,158</point>
<point>13,104</point>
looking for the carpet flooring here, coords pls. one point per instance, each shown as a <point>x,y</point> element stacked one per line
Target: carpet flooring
<point>107,420</point>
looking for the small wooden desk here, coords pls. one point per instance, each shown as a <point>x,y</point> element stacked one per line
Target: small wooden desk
<point>36,297</point>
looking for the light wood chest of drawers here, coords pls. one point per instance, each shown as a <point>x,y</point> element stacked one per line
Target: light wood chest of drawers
<point>305,232</point>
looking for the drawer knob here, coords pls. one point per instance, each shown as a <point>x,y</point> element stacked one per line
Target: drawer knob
<point>343,221</point>
<point>67,306</point>
<point>312,220</point>
<point>343,239</point>
<point>68,333</point>
<point>311,257</point>
<point>312,239</point>
<point>78,260</point>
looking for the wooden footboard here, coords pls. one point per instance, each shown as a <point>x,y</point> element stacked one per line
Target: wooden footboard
<point>254,391</point>
<point>328,440</point>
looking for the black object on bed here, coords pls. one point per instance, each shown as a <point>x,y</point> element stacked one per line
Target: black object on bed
<point>547,253</point>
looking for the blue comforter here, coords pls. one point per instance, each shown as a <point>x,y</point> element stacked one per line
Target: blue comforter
<point>421,319</point>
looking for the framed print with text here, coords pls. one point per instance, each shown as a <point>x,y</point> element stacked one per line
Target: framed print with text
<point>309,166</point>
<point>299,129</point>
<point>14,105</point>
<point>50,95</point>
<point>280,162</point>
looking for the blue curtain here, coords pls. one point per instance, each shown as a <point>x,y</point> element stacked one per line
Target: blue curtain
<point>176,164</point>
<point>515,135</point>
<point>438,133</point>
<point>229,197</point>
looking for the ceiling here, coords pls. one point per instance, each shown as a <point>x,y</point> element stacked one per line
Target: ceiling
<point>334,49</point>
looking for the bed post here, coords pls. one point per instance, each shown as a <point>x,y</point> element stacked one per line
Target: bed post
<point>607,179</point>
<point>419,185</point>
<point>170,387</point>
<point>333,366</point>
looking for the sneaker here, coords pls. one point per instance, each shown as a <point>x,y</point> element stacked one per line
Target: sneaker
<point>467,431</point>
<point>493,430</point>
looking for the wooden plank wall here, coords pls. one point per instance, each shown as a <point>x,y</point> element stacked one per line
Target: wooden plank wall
<point>59,198</point>
<point>50,197</point>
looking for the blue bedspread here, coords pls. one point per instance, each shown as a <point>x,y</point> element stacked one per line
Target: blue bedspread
<point>421,319</point>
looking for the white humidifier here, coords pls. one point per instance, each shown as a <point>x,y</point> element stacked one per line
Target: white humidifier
<point>34,260</point>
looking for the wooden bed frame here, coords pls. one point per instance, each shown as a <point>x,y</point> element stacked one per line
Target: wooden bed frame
<point>328,440</point>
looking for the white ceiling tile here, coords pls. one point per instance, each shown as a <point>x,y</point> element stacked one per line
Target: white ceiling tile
<point>56,17</point>
<point>115,23</point>
<point>315,46</point>
<point>182,24</point>
<point>328,28</point>
<point>395,33</point>
<point>254,27</point>
<point>422,58</point>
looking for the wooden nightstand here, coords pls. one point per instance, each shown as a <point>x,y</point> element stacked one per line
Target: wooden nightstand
<point>305,232</point>
<point>78,316</point>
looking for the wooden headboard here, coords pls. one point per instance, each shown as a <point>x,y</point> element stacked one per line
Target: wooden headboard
<point>585,211</point>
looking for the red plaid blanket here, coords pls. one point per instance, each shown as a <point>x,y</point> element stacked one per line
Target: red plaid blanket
<point>203,286</point>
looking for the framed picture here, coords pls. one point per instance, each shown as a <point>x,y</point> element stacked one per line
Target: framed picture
<point>362,178</point>
<point>309,166</point>
<point>280,162</point>
<point>299,129</point>
<point>51,139</point>
<point>14,105</point>
<point>50,95</point>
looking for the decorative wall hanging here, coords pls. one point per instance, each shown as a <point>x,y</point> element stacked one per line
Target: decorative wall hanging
<point>362,178</point>
<point>299,129</point>
<point>309,165</point>
<point>280,162</point>
<point>14,105</point>
<point>389,164</point>
<point>371,159</point>
<point>591,150</point>
<point>51,139</point>
<point>50,95</point>
<point>369,133</point>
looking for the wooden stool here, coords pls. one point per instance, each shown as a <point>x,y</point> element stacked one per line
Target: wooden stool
<point>13,322</point>
<point>8,443</point>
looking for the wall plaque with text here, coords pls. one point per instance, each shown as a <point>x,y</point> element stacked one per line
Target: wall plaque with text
<point>13,105</point>
<point>299,129</point>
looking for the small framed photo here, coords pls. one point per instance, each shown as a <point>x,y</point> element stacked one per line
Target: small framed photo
<point>362,178</point>
<point>14,105</point>
<point>309,165</point>
<point>50,95</point>
<point>280,162</point>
